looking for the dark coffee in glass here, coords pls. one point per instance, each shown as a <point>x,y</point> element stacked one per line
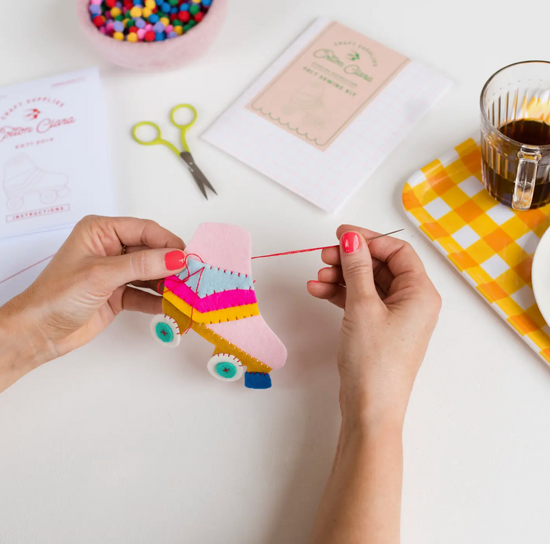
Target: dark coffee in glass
<point>515,135</point>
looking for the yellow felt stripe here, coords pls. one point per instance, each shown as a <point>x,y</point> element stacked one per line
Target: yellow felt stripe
<point>221,344</point>
<point>217,316</point>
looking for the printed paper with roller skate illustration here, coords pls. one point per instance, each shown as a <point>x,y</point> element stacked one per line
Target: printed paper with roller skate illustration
<point>215,297</point>
<point>54,165</point>
<point>23,178</point>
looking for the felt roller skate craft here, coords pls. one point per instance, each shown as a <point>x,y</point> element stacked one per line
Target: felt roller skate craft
<point>215,297</point>
<point>22,178</point>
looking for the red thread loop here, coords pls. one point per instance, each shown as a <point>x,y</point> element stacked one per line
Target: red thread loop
<point>180,281</point>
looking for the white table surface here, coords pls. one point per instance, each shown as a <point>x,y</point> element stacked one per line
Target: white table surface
<point>125,442</point>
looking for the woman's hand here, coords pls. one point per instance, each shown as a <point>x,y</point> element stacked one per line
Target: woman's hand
<point>84,288</point>
<point>391,308</point>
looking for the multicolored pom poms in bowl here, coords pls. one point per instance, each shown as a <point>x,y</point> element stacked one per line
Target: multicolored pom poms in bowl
<point>152,34</point>
<point>147,20</point>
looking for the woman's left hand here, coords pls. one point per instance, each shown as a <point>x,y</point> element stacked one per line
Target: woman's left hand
<point>85,286</point>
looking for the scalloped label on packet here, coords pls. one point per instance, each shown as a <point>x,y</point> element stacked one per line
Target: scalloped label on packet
<point>320,93</point>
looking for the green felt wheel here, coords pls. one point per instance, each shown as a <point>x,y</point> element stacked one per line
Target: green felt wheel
<point>226,370</point>
<point>225,367</point>
<point>164,333</point>
<point>165,330</point>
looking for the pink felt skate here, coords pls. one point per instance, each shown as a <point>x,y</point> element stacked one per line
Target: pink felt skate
<point>215,296</point>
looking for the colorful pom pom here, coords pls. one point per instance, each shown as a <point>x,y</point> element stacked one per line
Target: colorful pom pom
<point>139,20</point>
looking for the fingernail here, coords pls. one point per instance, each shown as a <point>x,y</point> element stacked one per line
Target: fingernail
<point>350,242</point>
<point>174,260</point>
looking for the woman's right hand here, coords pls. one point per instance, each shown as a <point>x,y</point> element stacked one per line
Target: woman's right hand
<point>390,311</point>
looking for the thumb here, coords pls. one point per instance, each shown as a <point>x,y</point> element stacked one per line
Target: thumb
<point>148,264</point>
<point>357,268</point>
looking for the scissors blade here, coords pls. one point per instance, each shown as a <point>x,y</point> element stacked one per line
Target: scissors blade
<point>199,177</point>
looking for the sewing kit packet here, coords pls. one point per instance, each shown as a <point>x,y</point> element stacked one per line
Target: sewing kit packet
<point>54,154</point>
<point>327,112</point>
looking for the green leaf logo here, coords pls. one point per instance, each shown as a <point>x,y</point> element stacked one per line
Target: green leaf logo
<point>353,56</point>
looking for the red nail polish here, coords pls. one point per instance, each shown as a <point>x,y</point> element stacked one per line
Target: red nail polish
<point>174,260</point>
<point>350,242</point>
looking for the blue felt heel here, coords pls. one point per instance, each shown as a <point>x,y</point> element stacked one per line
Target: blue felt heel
<point>257,380</point>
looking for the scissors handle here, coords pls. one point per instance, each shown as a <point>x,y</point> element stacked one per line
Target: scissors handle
<point>156,140</point>
<point>186,126</point>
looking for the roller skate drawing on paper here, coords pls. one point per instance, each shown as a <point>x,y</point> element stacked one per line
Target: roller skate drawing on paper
<point>215,297</point>
<point>309,105</point>
<point>22,178</point>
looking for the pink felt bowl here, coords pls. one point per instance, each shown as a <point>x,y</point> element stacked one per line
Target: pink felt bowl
<point>163,55</point>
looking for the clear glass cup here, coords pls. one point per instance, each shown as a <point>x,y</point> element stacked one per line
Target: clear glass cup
<point>515,135</point>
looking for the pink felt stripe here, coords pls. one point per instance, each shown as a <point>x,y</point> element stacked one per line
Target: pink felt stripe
<point>216,301</point>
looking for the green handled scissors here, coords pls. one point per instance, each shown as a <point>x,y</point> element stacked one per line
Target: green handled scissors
<point>198,176</point>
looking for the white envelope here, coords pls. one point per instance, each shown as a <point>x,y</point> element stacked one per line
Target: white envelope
<point>327,178</point>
